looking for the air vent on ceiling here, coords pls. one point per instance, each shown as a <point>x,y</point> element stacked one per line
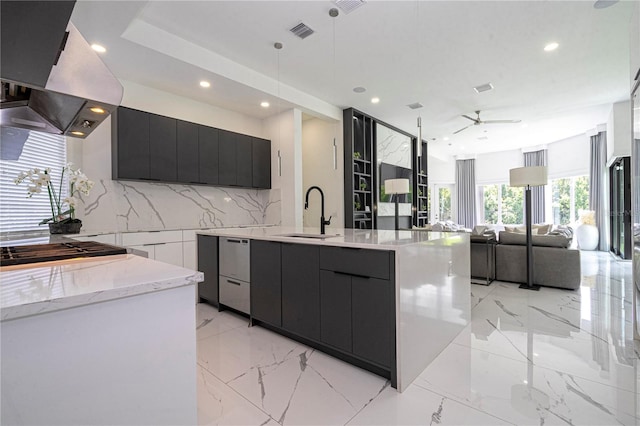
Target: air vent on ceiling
<point>348,6</point>
<point>302,30</point>
<point>483,88</point>
<point>483,138</point>
<point>415,105</point>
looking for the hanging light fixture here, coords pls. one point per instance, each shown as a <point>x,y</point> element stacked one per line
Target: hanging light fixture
<point>333,12</point>
<point>419,123</point>
<point>278,46</point>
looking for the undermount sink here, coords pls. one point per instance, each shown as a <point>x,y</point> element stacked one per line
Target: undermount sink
<point>315,236</point>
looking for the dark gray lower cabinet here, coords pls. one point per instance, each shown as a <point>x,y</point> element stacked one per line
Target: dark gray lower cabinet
<point>372,302</point>
<point>335,310</point>
<point>208,264</point>
<point>266,282</point>
<point>301,290</point>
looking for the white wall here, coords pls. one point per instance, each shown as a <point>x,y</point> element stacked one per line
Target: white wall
<point>634,44</point>
<point>317,159</point>
<point>116,206</point>
<point>619,131</point>
<point>285,132</point>
<point>441,172</point>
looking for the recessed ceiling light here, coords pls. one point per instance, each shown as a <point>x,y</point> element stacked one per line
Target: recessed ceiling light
<point>98,48</point>
<point>524,125</point>
<point>97,110</point>
<point>359,89</point>
<point>446,138</point>
<point>77,133</point>
<point>483,88</point>
<point>602,4</point>
<point>551,46</point>
<point>375,100</point>
<point>204,83</point>
<point>264,104</point>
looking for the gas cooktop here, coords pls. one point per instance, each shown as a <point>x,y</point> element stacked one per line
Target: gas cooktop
<point>20,255</point>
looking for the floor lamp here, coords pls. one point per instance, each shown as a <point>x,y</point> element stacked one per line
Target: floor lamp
<point>396,187</point>
<point>527,177</point>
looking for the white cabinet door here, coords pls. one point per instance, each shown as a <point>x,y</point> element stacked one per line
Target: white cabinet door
<point>100,238</point>
<point>189,255</point>
<point>149,249</point>
<point>169,253</point>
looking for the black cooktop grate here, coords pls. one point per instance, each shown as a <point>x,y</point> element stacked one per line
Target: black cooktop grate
<point>20,255</point>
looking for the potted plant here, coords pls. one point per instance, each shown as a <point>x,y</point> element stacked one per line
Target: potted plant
<point>63,219</point>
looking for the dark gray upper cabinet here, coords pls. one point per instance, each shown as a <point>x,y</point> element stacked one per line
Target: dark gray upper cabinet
<point>301,290</point>
<point>261,161</point>
<point>208,154</point>
<point>188,170</point>
<point>162,148</point>
<point>227,159</point>
<point>130,147</point>
<point>32,36</point>
<point>148,146</point>
<point>243,160</point>
<point>266,282</point>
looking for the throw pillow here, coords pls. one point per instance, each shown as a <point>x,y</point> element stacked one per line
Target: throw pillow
<point>479,230</point>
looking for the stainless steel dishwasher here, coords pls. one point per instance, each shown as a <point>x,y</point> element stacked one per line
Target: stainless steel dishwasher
<point>235,273</point>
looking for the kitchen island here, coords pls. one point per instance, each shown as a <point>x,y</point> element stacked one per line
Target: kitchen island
<point>387,301</point>
<point>102,340</point>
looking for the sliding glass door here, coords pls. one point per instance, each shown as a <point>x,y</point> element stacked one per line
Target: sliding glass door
<point>620,207</point>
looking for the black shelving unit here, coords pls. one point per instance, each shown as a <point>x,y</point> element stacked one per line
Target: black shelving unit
<point>359,161</point>
<point>421,187</point>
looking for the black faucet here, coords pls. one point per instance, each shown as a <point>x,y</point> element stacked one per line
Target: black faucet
<point>306,206</point>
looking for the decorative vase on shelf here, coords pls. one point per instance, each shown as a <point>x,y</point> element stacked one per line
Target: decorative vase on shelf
<point>71,226</point>
<point>587,237</point>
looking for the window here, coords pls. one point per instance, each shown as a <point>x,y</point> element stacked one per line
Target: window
<point>444,203</point>
<point>17,212</point>
<point>569,196</point>
<point>501,203</point>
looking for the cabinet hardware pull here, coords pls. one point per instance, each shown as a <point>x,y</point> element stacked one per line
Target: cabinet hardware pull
<point>233,282</point>
<point>229,240</point>
<point>351,275</point>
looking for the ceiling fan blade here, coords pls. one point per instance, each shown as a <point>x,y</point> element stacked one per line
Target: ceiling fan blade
<point>501,121</point>
<point>456,132</point>
<point>475,120</point>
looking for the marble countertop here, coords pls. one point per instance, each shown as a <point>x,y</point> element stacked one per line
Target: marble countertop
<point>27,290</point>
<point>357,238</point>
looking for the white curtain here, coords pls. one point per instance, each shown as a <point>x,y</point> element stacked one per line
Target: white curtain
<point>597,200</point>
<point>466,192</point>
<point>536,158</point>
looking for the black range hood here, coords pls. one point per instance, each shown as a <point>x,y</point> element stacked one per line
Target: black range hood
<point>51,79</point>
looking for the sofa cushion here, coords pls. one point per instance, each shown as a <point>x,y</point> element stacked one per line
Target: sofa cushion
<point>542,228</point>
<point>512,238</point>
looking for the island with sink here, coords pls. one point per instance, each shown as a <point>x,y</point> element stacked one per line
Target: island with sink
<point>386,301</point>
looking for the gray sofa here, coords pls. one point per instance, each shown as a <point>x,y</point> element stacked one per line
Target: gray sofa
<point>554,264</point>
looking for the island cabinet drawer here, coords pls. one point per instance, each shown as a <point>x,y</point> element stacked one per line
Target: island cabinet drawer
<point>150,237</point>
<point>354,261</point>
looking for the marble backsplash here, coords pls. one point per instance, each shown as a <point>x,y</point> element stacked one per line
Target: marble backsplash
<point>120,206</point>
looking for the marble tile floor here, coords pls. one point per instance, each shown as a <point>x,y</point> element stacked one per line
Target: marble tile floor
<point>548,357</point>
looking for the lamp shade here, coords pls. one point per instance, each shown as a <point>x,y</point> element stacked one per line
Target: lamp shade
<point>396,186</point>
<point>528,176</point>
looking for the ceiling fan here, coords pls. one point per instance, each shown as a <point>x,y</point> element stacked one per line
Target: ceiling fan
<point>477,121</point>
